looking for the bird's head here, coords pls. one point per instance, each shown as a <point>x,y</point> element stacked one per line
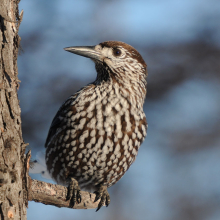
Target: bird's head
<point>116,60</point>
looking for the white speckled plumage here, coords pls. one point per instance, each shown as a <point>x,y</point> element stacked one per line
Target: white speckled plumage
<point>97,132</point>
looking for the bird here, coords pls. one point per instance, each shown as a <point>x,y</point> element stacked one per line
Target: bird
<point>96,134</point>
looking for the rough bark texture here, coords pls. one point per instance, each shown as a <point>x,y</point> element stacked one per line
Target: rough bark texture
<point>16,187</point>
<point>51,194</point>
<point>13,184</point>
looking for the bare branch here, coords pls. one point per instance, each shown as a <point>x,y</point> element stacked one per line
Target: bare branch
<point>51,194</point>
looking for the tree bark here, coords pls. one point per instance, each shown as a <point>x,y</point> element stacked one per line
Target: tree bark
<point>51,194</point>
<point>13,182</point>
<point>16,187</point>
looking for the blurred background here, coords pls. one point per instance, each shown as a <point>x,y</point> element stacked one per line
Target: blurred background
<point>177,171</point>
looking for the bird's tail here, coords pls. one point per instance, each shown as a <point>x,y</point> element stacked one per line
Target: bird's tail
<point>39,165</point>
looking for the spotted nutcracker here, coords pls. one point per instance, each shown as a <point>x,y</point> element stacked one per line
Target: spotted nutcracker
<point>96,134</point>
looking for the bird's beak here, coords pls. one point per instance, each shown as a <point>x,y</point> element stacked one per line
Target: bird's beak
<point>88,51</point>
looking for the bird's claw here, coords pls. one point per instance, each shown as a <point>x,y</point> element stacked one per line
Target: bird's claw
<point>102,194</point>
<point>73,194</point>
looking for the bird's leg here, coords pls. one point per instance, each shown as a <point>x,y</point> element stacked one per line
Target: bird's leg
<point>73,193</point>
<point>102,194</point>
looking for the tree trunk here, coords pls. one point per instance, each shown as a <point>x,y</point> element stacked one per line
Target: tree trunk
<point>16,187</point>
<point>13,184</point>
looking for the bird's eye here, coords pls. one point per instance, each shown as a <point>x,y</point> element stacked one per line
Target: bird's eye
<point>116,52</point>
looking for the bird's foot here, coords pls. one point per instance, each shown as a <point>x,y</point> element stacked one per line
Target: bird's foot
<point>73,193</point>
<point>102,194</point>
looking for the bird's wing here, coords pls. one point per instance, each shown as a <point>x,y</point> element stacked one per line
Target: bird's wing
<point>58,122</point>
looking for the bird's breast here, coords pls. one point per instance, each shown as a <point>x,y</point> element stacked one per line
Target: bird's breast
<point>100,138</point>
